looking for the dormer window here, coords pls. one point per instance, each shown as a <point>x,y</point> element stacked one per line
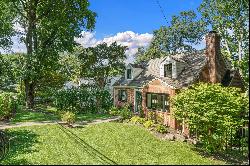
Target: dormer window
<point>129,74</point>
<point>168,70</point>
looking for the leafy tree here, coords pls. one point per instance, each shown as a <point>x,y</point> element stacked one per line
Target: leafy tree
<point>50,27</point>
<point>211,111</point>
<point>102,62</point>
<point>6,28</point>
<point>231,20</point>
<point>185,31</point>
<point>71,64</point>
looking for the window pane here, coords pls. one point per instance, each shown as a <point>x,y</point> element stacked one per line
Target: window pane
<point>129,74</point>
<point>168,70</point>
<point>154,101</point>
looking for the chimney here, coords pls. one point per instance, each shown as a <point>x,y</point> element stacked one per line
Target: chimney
<point>213,56</point>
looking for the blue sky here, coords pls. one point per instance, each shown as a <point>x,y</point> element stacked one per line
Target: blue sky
<point>128,22</point>
<point>139,16</point>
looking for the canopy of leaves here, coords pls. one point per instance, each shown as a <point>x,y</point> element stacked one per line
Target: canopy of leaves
<point>185,31</point>
<point>231,20</point>
<point>211,110</point>
<point>103,61</point>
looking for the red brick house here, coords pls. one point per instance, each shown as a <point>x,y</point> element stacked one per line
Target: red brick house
<point>150,85</point>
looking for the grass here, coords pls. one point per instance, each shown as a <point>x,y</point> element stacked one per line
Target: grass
<point>48,113</point>
<point>106,143</point>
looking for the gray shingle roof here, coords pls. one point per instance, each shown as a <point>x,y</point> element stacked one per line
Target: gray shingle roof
<point>193,64</point>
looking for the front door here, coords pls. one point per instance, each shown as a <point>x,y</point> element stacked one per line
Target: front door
<point>138,101</point>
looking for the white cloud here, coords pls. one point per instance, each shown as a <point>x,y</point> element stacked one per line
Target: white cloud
<point>87,39</point>
<point>130,39</point>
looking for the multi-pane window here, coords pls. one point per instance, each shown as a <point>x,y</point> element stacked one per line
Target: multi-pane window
<point>157,101</point>
<point>122,95</point>
<point>129,74</point>
<point>168,70</point>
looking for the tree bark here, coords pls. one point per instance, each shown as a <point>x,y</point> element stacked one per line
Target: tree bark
<point>29,91</point>
<point>31,44</point>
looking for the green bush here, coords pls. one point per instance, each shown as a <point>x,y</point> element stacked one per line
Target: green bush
<point>8,105</point>
<point>211,111</point>
<point>148,123</point>
<point>114,111</point>
<point>161,128</point>
<point>137,120</point>
<point>69,117</point>
<point>125,112</point>
<point>141,112</point>
<point>83,100</point>
<point>151,115</point>
<point>159,119</point>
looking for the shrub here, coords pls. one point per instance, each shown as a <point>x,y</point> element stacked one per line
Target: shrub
<point>69,117</point>
<point>83,99</point>
<point>161,128</point>
<point>141,112</point>
<point>125,112</point>
<point>148,124</point>
<point>8,105</point>
<point>159,119</point>
<point>114,111</point>
<point>137,120</point>
<point>211,111</point>
<point>151,115</point>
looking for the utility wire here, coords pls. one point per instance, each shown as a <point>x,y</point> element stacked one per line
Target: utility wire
<point>162,11</point>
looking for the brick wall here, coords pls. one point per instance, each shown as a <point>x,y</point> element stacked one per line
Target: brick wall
<point>215,69</point>
<point>157,87</point>
<point>130,95</point>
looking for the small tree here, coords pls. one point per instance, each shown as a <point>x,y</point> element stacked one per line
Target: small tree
<point>210,110</point>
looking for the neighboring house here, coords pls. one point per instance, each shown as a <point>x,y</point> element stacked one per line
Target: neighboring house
<point>151,84</point>
<point>89,81</point>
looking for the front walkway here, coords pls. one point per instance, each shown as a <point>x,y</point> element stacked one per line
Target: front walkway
<point>82,123</point>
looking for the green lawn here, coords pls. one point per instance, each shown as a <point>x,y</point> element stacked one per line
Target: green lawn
<point>47,113</point>
<point>106,143</point>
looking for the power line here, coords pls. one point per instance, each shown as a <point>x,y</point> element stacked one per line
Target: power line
<point>162,11</point>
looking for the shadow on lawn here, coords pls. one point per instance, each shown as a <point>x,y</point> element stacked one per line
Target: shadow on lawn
<point>230,157</point>
<point>21,142</point>
<point>88,148</point>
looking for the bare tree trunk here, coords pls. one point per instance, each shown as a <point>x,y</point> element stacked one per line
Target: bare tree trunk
<point>30,46</point>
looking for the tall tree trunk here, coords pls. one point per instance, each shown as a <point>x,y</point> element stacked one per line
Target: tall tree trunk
<point>29,91</point>
<point>31,45</point>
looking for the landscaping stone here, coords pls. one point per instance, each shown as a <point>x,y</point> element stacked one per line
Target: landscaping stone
<point>180,138</point>
<point>169,137</point>
<point>192,141</point>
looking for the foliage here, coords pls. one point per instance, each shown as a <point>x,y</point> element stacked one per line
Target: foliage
<point>231,20</point>
<point>8,105</point>
<point>102,62</point>
<point>141,112</point>
<point>69,117</point>
<point>185,31</point>
<point>46,28</point>
<point>148,123</point>
<point>137,120</point>
<point>211,110</point>
<point>151,115</point>
<point>161,128</point>
<point>159,118</point>
<point>82,99</point>
<point>125,112</point>
<point>114,111</point>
